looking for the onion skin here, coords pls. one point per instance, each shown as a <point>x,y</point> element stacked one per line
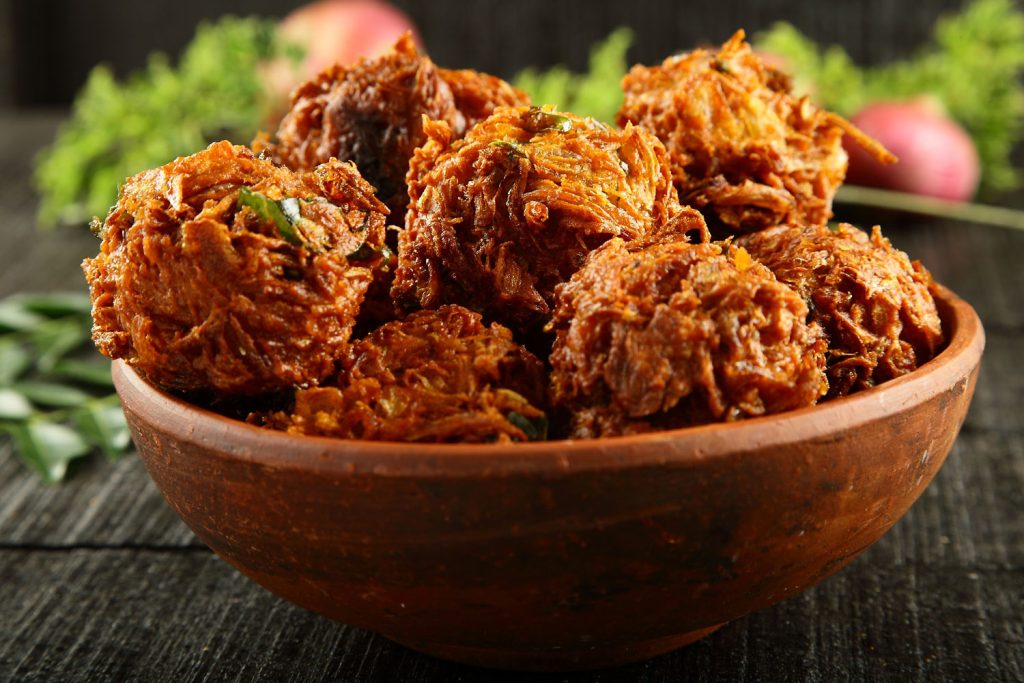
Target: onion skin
<point>937,157</point>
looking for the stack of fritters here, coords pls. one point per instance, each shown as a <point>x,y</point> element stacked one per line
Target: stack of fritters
<point>548,266</point>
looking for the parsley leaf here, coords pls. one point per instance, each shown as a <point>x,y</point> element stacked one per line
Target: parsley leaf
<point>161,112</point>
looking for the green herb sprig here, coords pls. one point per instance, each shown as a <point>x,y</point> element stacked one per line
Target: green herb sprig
<point>57,402</point>
<point>117,129</point>
<point>973,66</point>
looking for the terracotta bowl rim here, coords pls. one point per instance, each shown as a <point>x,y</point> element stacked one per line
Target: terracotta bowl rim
<point>234,439</point>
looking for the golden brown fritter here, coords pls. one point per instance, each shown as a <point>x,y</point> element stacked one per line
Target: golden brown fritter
<point>873,303</point>
<point>372,113</point>
<point>498,219</point>
<point>676,334</point>
<point>223,272</point>
<point>437,376</point>
<point>743,149</point>
<point>369,113</point>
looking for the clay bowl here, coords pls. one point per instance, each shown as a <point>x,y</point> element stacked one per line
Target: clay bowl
<point>560,555</point>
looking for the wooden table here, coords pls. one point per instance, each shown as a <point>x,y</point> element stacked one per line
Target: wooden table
<point>99,581</point>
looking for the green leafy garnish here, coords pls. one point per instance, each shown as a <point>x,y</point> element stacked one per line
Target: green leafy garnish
<point>14,405</point>
<point>117,129</point>
<point>14,359</point>
<point>47,446</point>
<point>53,340</point>
<point>56,395</point>
<point>597,93</point>
<point>52,394</point>
<point>298,229</point>
<point>15,317</point>
<point>102,425</point>
<point>538,119</point>
<point>535,429</point>
<point>95,373</point>
<point>973,67</point>
<point>55,303</point>
<point>271,211</point>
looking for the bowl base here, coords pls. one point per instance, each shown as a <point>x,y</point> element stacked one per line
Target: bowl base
<point>588,657</point>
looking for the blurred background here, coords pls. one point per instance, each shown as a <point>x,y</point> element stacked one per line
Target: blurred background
<point>47,47</point>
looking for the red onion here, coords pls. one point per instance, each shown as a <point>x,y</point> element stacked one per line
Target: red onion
<point>342,31</point>
<point>333,32</point>
<point>937,157</point>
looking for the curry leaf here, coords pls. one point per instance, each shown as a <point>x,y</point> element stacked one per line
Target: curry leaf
<point>47,447</point>
<point>51,394</point>
<point>96,373</point>
<point>54,339</point>
<point>46,362</point>
<point>103,425</point>
<point>269,210</point>
<point>16,318</point>
<point>595,93</point>
<point>56,304</point>
<point>13,405</point>
<point>14,360</point>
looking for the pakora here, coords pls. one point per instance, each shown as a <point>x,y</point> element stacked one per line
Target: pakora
<point>743,148</point>
<point>222,272</point>
<point>675,334</point>
<point>499,218</point>
<point>873,303</point>
<point>372,113</point>
<point>436,376</point>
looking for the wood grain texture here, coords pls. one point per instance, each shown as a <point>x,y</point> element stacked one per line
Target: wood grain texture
<point>99,580</point>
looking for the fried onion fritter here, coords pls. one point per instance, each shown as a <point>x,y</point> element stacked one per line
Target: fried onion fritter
<point>499,218</point>
<point>222,272</point>
<point>675,334</point>
<point>436,376</point>
<point>371,113</point>
<point>743,149</point>
<point>873,303</point>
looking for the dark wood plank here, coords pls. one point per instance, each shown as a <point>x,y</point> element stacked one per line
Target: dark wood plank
<point>187,616</point>
<point>101,504</point>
